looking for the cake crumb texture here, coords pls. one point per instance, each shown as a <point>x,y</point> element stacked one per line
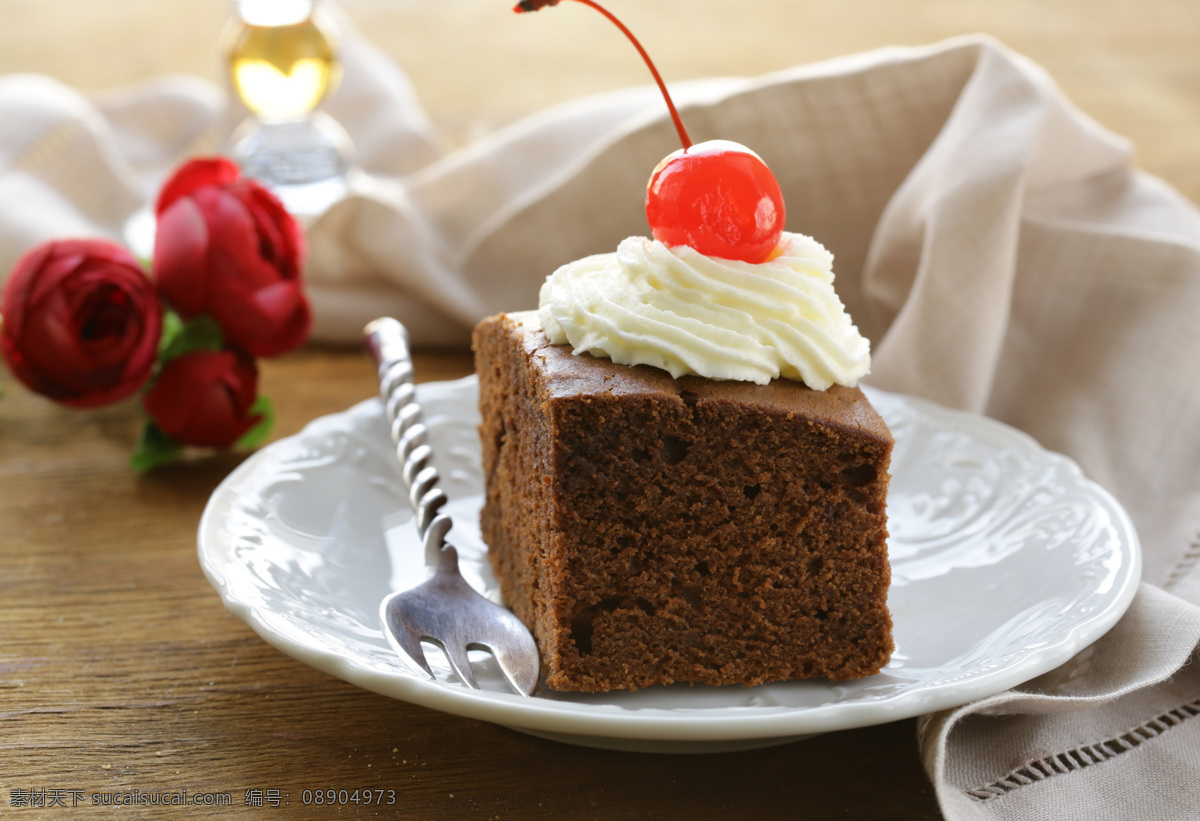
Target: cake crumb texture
<point>653,530</point>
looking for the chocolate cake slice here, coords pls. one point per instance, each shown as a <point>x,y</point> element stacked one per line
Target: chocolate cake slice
<point>653,530</point>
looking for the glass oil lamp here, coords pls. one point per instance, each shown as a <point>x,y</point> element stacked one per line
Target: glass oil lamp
<point>282,60</point>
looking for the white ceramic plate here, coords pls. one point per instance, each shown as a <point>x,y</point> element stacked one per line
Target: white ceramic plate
<point>1006,562</point>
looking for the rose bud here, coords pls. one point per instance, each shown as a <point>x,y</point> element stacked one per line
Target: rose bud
<point>81,322</point>
<point>204,398</point>
<point>226,247</point>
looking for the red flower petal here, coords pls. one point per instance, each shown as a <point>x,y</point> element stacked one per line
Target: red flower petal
<point>204,397</point>
<point>60,263</point>
<point>282,239</point>
<point>250,244</point>
<point>237,244</point>
<point>194,175</point>
<point>268,322</point>
<point>18,286</point>
<point>181,257</point>
<point>82,322</point>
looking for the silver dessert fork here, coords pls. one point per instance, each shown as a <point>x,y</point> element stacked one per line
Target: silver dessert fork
<point>443,609</point>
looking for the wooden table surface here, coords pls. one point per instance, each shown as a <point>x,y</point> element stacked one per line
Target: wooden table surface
<point>121,671</point>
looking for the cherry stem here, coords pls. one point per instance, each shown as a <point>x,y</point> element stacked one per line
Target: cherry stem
<point>534,5</point>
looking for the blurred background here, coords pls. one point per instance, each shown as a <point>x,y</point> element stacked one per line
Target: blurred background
<point>1134,66</point>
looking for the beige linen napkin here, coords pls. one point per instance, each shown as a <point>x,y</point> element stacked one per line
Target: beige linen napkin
<point>997,247</point>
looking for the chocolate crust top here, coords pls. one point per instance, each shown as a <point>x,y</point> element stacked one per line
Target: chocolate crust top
<point>569,374</point>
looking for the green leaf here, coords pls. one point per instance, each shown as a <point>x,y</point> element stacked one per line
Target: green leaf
<point>178,337</point>
<point>258,434</point>
<point>172,327</point>
<point>154,448</point>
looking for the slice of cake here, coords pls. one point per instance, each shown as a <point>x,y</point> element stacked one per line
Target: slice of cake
<point>653,529</point>
<point>683,481</point>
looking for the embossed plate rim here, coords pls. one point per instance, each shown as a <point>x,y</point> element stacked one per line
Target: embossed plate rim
<point>244,558</point>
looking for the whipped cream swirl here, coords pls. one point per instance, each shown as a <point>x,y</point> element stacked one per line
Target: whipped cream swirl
<point>676,309</point>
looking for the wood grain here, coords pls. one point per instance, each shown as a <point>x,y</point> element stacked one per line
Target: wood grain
<point>119,668</point>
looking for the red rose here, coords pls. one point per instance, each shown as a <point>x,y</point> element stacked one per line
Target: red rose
<point>81,322</point>
<point>204,398</point>
<point>226,247</point>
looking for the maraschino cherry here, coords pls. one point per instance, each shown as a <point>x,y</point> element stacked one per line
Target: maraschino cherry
<point>717,197</point>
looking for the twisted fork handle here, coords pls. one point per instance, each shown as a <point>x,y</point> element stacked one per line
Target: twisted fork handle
<point>387,341</point>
